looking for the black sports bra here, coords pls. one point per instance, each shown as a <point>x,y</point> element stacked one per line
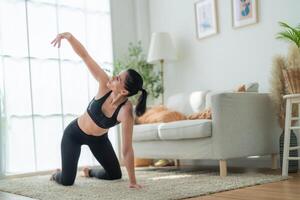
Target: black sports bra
<point>94,109</point>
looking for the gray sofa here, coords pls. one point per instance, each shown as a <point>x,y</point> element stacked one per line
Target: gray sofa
<point>242,125</point>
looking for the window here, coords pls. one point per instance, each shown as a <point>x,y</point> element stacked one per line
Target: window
<point>43,88</point>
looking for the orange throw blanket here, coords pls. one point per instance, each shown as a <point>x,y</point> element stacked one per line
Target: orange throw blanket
<point>205,114</point>
<point>159,114</point>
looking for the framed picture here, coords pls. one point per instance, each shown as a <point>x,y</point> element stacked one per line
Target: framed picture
<point>244,12</point>
<point>206,19</point>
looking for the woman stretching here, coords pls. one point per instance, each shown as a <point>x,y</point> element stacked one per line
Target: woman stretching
<point>108,108</point>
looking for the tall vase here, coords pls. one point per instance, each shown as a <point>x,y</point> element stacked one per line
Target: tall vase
<point>293,164</point>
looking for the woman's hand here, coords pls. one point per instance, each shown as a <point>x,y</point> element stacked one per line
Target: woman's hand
<point>59,37</point>
<point>134,186</point>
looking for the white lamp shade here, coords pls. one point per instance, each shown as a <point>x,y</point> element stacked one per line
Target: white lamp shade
<point>161,48</point>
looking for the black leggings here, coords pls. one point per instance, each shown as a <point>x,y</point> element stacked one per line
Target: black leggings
<point>101,148</point>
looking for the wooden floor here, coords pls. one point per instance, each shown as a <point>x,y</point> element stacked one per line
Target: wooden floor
<point>282,190</point>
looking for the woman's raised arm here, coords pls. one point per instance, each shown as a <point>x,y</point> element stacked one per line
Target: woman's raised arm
<point>98,73</point>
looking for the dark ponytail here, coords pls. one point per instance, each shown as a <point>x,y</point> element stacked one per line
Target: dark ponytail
<point>141,104</point>
<point>134,84</point>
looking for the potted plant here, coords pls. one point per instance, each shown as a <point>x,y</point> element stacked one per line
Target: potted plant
<point>284,81</point>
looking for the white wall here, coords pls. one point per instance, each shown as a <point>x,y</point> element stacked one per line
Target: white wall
<point>233,56</point>
<point>123,25</point>
<point>130,23</point>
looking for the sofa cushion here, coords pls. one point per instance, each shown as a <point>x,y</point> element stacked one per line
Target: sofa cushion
<point>185,129</point>
<point>145,132</point>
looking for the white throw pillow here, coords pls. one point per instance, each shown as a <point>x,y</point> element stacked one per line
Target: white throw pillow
<point>187,103</point>
<point>197,100</point>
<point>177,102</point>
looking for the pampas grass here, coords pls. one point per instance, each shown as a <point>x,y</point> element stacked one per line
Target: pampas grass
<point>293,57</point>
<point>278,87</point>
<point>279,84</point>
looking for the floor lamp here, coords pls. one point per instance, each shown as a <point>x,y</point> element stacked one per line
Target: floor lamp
<point>161,50</point>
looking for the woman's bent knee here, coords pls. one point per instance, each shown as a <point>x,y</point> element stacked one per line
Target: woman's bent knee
<point>116,176</point>
<point>67,183</point>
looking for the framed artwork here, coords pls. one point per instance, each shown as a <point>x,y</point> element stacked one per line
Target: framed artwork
<point>206,19</point>
<point>244,12</point>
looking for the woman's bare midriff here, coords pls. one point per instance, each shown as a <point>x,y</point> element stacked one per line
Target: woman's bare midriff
<point>87,125</point>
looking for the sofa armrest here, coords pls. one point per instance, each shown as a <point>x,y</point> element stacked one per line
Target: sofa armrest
<point>244,124</point>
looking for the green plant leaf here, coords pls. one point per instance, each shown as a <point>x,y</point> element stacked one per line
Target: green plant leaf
<point>290,33</point>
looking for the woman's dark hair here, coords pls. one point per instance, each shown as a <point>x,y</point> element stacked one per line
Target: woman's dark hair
<point>134,84</point>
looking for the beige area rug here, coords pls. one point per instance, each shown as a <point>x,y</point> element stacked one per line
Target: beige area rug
<point>170,183</point>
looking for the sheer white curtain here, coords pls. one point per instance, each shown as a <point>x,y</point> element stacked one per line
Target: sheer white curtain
<point>43,88</point>
<point>2,123</point>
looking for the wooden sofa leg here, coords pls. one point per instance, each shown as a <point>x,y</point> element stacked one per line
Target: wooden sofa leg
<point>274,161</point>
<point>223,168</point>
<point>177,163</point>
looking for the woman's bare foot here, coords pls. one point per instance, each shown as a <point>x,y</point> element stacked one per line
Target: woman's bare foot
<point>85,172</point>
<point>54,174</point>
